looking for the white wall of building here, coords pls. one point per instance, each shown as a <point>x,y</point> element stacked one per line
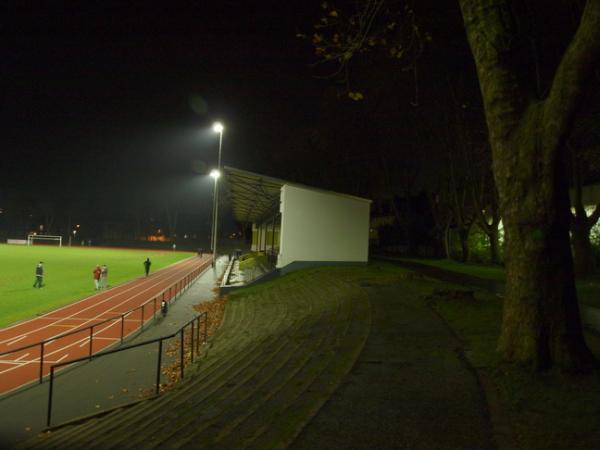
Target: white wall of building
<point>322,226</point>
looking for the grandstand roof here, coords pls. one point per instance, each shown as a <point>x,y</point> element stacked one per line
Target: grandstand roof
<point>255,197</point>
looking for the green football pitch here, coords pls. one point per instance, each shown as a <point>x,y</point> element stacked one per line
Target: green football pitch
<point>67,275</point>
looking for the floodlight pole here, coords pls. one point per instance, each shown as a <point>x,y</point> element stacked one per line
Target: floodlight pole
<point>219,129</point>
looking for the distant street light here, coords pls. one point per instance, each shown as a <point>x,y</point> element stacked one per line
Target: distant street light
<point>217,128</point>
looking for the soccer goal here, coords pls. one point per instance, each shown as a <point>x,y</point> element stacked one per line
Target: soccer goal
<point>32,238</point>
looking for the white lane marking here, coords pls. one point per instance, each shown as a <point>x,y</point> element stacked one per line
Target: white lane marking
<point>22,356</point>
<point>61,358</point>
<point>16,340</point>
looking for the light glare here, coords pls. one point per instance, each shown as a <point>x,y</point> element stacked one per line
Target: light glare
<point>218,127</point>
<point>215,174</point>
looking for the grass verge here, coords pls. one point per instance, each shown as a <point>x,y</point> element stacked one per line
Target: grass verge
<point>588,291</point>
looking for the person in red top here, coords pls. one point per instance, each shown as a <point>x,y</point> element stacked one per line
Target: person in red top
<point>97,272</point>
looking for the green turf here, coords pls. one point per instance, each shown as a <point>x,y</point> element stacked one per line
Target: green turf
<point>67,275</point>
<point>588,291</point>
<point>477,270</point>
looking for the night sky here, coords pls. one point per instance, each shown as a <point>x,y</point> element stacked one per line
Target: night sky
<point>106,107</point>
<point>103,99</point>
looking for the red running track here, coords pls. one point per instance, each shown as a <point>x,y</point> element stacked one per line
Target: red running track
<point>89,325</point>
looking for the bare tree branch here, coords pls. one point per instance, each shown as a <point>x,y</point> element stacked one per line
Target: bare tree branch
<point>568,84</point>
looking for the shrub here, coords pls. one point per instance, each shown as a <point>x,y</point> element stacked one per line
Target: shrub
<point>252,261</point>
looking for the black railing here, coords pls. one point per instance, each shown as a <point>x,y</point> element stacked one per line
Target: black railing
<point>168,295</point>
<point>194,348</point>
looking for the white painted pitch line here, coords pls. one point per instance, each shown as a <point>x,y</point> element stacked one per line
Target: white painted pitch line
<point>22,356</point>
<point>70,318</point>
<point>16,340</point>
<point>14,363</point>
<point>61,358</point>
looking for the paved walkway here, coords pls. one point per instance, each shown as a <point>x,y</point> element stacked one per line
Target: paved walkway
<point>102,383</point>
<point>408,390</point>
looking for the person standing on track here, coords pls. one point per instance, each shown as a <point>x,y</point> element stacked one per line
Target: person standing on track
<point>97,274</point>
<point>39,275</point>
<point>103,276</point>
<point>147,265</point>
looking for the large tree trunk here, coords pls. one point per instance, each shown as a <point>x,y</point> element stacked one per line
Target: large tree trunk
<point>541,323</point>
<point>492,235</point>
<point>541,326</point>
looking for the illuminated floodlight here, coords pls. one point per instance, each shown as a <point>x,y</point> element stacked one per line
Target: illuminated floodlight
<point>215,174</point>
<point>218,127</point>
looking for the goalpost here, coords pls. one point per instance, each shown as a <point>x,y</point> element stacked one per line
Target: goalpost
<point>31,238</point>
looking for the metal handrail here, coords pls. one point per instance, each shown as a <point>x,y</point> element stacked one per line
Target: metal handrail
<point>195,349</point>
<point>188,280</point>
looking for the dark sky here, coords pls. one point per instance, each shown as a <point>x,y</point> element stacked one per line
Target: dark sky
<point>101,93</point>
<point>102,100</point>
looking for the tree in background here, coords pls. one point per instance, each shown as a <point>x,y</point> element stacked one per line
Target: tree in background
<point>581,226</point>
<point>485,200</point>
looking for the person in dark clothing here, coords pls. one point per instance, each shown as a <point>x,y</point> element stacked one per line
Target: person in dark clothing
<point>39,275</point>
<point>147,265</point>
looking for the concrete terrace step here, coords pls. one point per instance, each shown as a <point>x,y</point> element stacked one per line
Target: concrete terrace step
<point>283,429</point>
<point>277,408</point>
<point>275,388</point>
<point>240,381</point>
<point>280,353</point>
<point>241,384</point>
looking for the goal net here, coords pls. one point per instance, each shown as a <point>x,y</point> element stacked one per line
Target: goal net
<point>44,238</point>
